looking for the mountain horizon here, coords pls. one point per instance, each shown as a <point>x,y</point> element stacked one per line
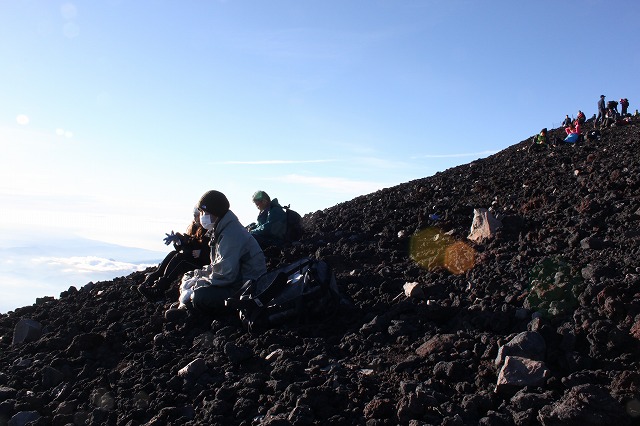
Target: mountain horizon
<point>45,266</point>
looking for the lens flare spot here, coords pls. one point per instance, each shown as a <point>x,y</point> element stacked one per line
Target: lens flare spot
<point>633,408</point>
<point>428,247</point>
<point>22,120</point>
<point>432,248</point>
<point>459,257</point>
<point>64,133</point>
<point>554,287</point>
<point>68,11</point>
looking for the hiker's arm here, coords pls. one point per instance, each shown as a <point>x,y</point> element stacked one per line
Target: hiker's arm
<point>225,268</point>
<point>275,224</point>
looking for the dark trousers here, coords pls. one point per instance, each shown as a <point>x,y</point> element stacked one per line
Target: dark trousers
<point>210,299</point>
<point>174,265</point>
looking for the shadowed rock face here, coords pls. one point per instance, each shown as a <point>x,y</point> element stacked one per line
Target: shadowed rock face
<point>565,264</point>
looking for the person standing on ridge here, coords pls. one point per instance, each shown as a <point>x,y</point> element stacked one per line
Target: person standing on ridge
<point>624,104</point>
<point>601,110</point>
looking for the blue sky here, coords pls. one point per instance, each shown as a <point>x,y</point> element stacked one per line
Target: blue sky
<point>117,115</point>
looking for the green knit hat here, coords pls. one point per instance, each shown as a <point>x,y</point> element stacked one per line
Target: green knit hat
<point>259,196</point>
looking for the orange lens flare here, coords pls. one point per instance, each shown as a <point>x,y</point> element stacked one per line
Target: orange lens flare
<point>432,248</point>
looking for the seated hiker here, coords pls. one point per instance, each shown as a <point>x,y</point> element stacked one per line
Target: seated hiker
<point>271,225</point>
<point>573,128</point>
<point>609,119</point>
<point>567,121</point>
<point>191,251</point>
<point>581,117</point>
<point>540,141</point>
<point>235,257</point>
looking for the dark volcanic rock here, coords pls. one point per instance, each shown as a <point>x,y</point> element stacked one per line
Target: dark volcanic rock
<point>557,286</point>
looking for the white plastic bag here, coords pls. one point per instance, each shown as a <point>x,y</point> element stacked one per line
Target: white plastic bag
<point>191,281</point>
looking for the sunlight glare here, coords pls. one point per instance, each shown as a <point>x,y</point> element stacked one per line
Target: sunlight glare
<point>432,248</point>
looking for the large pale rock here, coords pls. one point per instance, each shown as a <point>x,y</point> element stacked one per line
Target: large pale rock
<point>484,225</point>
<point>528,344</point>
<point>194,369</point>
<point>518,372</point>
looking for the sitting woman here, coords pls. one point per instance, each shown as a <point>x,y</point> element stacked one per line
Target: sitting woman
<point>574,128</point>
<point>191,251</point>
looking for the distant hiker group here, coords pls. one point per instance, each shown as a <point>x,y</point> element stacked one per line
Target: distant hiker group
<point>574,129</point>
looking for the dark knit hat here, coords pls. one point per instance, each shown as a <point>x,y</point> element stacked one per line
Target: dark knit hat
<point>214,202</point>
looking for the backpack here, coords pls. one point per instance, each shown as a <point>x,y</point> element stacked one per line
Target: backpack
<point>294,225</point>
<point>294,293</point>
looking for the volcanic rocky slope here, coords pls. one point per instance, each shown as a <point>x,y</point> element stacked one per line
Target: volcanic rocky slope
<point>554,293</point>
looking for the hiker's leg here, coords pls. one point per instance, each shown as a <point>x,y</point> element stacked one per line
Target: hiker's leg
<point>151,277</point>
<point>182,262</point>
<point>211,299</point>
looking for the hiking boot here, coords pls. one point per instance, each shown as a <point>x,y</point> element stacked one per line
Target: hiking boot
<point>162,284</point>
<point>176,314</point>
<point>151,277</point>
<point>150,293</point>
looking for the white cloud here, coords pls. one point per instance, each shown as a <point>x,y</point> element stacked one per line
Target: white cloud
<point>380,163</point>
<point>262,162</point>
<point>334,184</point>
<point>90,264</point>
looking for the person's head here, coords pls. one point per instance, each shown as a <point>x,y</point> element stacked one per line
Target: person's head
<point>261,199</point>
<point>212,203</point>
<point>602,96</point>
<point>543,131</point>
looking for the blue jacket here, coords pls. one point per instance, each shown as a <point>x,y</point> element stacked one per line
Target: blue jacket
<point>271,223</point>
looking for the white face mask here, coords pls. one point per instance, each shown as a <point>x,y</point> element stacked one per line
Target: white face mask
<point>205,220</point>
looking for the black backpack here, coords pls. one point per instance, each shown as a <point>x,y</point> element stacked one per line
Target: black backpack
<point>295,293</point>
<point>294,225</point>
